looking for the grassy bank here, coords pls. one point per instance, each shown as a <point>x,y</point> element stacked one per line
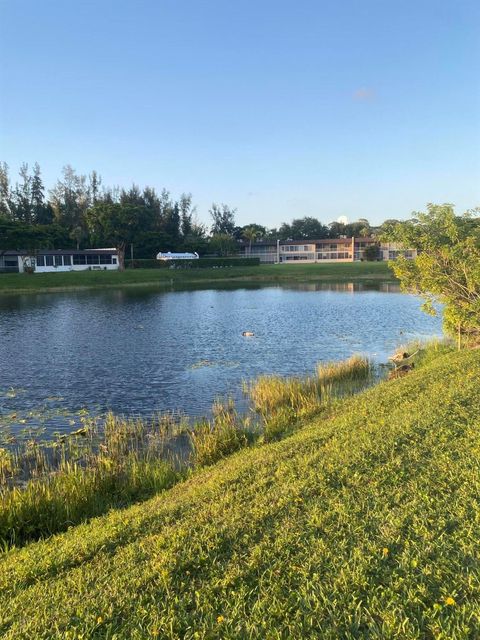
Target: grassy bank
<point>343,272</point>
<point>361,525</point>
<point>47,486</point>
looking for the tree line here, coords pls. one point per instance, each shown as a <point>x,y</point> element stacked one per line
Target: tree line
<point>80,211</point>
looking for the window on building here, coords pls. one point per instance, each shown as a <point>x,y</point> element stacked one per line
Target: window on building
<point>105,258</point>
<point>67,261</point>
<point>58,261</point>
<point>92,259</point>
<point>49,261</point>
<point>40,261</point>
<point>114,260</point>
<point>79,259</point>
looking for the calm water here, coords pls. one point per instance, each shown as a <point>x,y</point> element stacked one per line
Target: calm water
<point>141,351</point>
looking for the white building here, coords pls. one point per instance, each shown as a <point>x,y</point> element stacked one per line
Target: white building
<point>59,260</point>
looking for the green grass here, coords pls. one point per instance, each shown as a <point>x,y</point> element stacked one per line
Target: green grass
<point>47,487</point>
<point>14,282</point>
<point>364,524</point>
<point>282,402</point>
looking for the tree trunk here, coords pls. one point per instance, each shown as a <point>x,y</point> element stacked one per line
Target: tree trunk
<point>121,258</point>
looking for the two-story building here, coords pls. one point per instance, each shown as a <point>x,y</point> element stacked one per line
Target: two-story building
<point>323,250</point>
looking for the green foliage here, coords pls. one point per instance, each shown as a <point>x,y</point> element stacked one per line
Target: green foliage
<point>299,228</point>
<point>222,244</point>
<point>372,252</point>
<point>447,269</point>
<point>21,236</point>
<point>364,524</point>
<point>223,220</point>
<point>118,224</point>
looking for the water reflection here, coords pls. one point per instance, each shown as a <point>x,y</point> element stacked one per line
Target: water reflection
<point>141,350</point>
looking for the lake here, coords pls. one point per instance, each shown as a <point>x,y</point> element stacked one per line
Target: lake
<point>138,351</point>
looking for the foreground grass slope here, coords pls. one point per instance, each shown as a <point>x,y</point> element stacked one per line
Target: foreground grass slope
<point>363,525</point>
<point>376,271</point>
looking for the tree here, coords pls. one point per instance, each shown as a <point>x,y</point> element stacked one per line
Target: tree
<point>95,182</point>
<point>186,213</point>
<point>250,233</point>
<point>223,219</point>
<point>307,228</point>
<point>70,199</point>
<point>372,252</point>
<point>117,223</point>
<point>222,244</point>
<point>42,211</point>
<point>447,268</point>
<point>5,209</point>
<point>172,222</point>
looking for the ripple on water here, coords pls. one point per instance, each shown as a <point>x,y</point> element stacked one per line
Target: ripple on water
<point>138,352</point>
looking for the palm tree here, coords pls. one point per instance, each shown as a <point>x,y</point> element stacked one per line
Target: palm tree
<point>250,234</point>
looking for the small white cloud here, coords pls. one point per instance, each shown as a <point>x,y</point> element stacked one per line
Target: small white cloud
<point>364,94</point>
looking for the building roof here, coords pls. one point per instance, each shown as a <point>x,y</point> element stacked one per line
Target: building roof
<point>273,243</point>
<point>58,252</point>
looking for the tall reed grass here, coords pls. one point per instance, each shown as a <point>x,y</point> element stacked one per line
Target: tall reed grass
<point>46,489</point>
<point>221,436</point>
<point>281,402</point>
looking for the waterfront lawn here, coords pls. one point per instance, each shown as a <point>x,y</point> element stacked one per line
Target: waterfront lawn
<point>353,271</point>
<point>362,525</point>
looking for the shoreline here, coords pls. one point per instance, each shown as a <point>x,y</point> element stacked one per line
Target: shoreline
<point>162,278</point>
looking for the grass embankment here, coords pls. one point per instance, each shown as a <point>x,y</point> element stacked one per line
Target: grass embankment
<point>48,486</point>
<point>343,272</point>
<point>362,525</point>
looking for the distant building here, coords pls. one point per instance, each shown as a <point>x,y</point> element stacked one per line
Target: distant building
<point>324,250</point>
<point>52,260</point>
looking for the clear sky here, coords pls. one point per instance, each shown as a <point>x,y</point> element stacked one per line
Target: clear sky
<point>282,109</point>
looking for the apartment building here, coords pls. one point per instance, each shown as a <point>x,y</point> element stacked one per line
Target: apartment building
<point>324,250</point>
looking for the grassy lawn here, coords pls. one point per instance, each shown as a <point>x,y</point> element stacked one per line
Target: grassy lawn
<point>376,271</point>
<point>362,525</point>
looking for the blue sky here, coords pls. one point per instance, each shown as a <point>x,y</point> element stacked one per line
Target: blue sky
<point>281,109</point>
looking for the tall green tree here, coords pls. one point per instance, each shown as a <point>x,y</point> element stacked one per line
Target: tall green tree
<point>223,218</point>
<point>118,224</point>
<point>306,228</point>
<point>70,199</point>
<point>5,208</point>
<point>447,269</point>
<point>251,233</point>
<point>222,244</point>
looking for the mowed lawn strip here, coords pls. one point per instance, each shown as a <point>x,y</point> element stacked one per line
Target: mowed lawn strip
<point>16,282</point>
<point>365,525</point>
